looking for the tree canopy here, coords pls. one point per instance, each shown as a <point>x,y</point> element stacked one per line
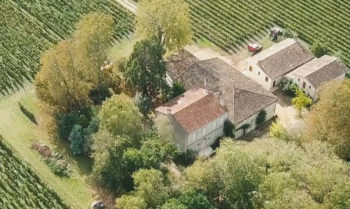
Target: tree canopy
<point>329,118</point>
<point>167,20</point>
<point>71,70</point>
<point>120,116</point>
<point>145,69</point>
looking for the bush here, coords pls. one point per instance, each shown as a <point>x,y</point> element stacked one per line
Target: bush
<point>57,164</point>
<point>229,129</point>
<point>278,131</point>
<point>185,158</point>
<point>176,90</point>
<point>288,33</point>
<point>260,118</point>
<point>319,49</point>
<point>76,139</point>
<point>27,113</point>
<point>288,87</point>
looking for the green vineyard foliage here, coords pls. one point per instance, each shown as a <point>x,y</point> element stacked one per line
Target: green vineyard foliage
<point>29,27</point>
<point>21,188</point>
<point>231,23</point>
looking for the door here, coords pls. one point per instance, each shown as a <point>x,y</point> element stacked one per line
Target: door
<point>304,84</point>
<point>274,84</point>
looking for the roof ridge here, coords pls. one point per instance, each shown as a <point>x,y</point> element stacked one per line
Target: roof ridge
<point>255,92</point>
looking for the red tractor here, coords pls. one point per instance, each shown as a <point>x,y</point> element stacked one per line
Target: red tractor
<point>254,48</point>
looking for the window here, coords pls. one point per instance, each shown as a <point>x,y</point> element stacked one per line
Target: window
<point>298,79</point>
<point>304,84</point>
<point>259,73</point>
<point>310,87</point>
<point>266,79</point>
<point>250,68</point>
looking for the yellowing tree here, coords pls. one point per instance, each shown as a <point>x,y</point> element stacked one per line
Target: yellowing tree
<point>301,100</point>
<point>329,119</point>
<point>168,20</point>
<point>70,70</point>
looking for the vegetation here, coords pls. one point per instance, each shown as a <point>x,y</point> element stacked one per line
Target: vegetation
<point>329,118</point>
<point>230,23</point>
<point>166,20</point>
<point>145,69</point>
<point>20,134</point>
<point>318,49</point>
<point>288,87</point>
<point>260,118</point>
<point>30,27</point>
<point>71,70</point>
<point>271,174</point>
<point>27,113</point>
<point>20,187</point>
<point>301,101</point>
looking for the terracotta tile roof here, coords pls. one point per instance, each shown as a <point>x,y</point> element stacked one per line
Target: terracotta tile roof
<point>282,58</point>
<point>321,70</point>
<point>194,109</point>
<point>239,94</point>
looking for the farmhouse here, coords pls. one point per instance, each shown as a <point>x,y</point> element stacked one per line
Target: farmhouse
<point>197,117</point>
<point>313,74</point>
<point>243,98</point>
<point>268,67</point>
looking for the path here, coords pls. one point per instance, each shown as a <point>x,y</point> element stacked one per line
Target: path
<point>128,4</point>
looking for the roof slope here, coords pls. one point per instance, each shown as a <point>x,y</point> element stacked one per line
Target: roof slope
<point>321,70</point>
<point>194,109</point>
<point>282,58</point>
<point>234,89</point>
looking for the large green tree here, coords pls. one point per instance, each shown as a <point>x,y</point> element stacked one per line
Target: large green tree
<point>71,70</point>
<point>145,69</point>
<point>329,118</point>
<point>272,173</point>
<point>120,116</point>
<point>167,20</point>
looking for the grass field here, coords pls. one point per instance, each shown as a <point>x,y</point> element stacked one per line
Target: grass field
<point>27,28</point>
<point>231,23</point>
<point>19,132</point>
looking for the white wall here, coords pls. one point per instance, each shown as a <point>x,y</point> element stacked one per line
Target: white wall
<point>309,88</point>
<point>258,75</point>
<point>206,135</point>
<point>270,113</point>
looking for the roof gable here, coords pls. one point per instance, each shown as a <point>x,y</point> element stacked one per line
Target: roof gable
<point>282,58</point>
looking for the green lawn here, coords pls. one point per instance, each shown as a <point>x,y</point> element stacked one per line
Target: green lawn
<point>20,133</point>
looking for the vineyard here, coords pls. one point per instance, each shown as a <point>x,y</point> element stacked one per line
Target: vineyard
<point>20,187</point>
<point>27,28</point>
<point>231,23</point>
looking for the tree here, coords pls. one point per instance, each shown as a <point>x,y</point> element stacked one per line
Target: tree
<point>76,139</point>
<point>120,116</point>
<point>301,101</point>
<point>319,49</point>
<point>278,131</point>
<point>272,173</point>
<point>165,128</point>
<point>145,69</point>
<point>167,20</point>
<point>71,70</point>
<point>130,202</point>
<point>109,168</point>
<point>149,188</point>
<point>329,118</point>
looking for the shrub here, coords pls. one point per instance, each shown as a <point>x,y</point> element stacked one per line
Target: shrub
<point>288,33</point>
<point>27,113</point>
<point>185,158</point>
<point>261,117</point>
<point>176,90</point>
<point>288,87</point>
<point>76,139</point>
<point>229,129</point>
<point>245,127</point>
<point>319,49</point>
<point>278,131</point>
<point>57,164</point>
